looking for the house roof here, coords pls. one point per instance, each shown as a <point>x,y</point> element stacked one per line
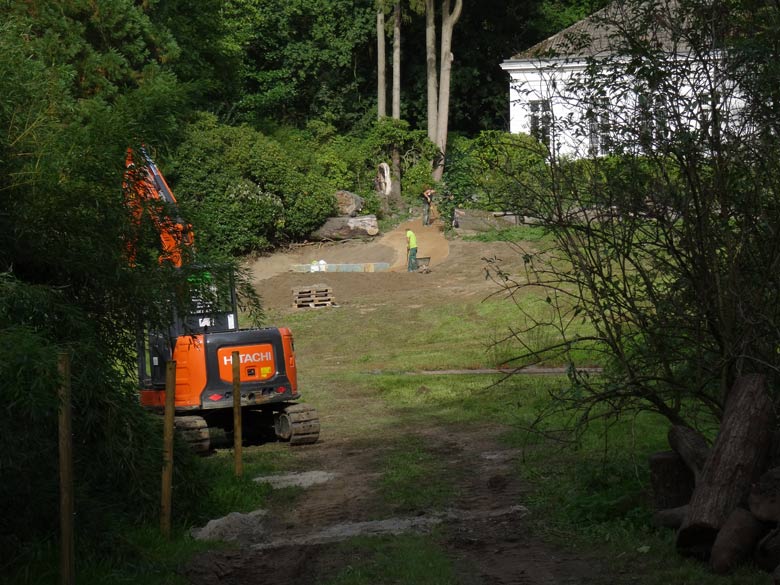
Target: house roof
<point>596,35</point>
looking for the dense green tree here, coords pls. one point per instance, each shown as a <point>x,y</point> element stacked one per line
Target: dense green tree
<point>80,82</point>
<point>208,59</point>
<point>493,170</point>
<point>305,58</point>
<point>243,189</point>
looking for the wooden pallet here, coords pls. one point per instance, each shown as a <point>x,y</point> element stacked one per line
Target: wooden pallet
<point>312,297</point>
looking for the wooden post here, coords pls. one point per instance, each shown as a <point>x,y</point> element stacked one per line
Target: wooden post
<point>168,429</point>
<point>67,556</point>
<point>238,460</point>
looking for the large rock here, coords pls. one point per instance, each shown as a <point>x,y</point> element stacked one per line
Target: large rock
<point>342,228</point>
<point>349,203</point>
<point>234,527</point>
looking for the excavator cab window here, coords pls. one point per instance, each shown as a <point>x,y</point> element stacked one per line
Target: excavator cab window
<point>213,308</point>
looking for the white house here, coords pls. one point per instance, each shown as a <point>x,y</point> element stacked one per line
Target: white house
<point>620,104</point>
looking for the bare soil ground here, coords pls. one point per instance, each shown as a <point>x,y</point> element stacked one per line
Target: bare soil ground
<point>486,531</point>
<point>457,269</point>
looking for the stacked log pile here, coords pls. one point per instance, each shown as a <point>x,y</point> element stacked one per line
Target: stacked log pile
<point>724,499</point>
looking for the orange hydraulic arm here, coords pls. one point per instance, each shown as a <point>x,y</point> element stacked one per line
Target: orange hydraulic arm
<point>146,190</point>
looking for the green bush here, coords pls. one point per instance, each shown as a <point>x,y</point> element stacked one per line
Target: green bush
<point>243,191</point>
<point>415,150</point>
<point>339,161</point>
<point>496,171</point>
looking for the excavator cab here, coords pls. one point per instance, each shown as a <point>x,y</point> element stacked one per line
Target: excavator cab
<point>213,308</point>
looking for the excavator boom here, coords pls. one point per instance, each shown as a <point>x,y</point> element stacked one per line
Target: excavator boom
<point>146,191</point>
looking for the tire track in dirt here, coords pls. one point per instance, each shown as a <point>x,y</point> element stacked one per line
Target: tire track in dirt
<point>485,529</point>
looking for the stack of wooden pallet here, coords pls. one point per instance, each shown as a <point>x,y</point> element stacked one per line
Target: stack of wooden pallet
<point>312,296</point>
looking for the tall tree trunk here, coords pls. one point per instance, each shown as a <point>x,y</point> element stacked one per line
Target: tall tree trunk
<point>431,70</point>
<point>448,21</point>
<point>381,60</point>
<point>397,61</point>
<point>396,162</point>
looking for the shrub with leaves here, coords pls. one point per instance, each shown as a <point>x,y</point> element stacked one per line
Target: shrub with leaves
<point>495,171</point>
<point>243,190</point>
<point>668,248</point>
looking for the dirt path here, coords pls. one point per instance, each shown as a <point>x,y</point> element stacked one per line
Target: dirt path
<point>485,529</point>
<point>389,248</point>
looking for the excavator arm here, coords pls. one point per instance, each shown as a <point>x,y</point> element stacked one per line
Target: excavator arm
<point>147,192</point>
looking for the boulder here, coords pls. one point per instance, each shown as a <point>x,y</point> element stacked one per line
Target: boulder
<point>343,228</point>
<point>349,203</point>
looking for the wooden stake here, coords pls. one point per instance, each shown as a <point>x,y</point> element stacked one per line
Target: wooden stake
<point>168,429</point>
<point>238,460</point>
<point>67,557</point>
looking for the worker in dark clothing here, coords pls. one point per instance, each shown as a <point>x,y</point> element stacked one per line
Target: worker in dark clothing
<point>427,202</point>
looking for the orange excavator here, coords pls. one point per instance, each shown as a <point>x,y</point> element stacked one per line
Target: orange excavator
<point>202,342</point>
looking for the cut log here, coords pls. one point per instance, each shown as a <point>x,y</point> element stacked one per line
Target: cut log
<point>767,553</point>
<point>735,541</point>
<point>349,203</point>
<point>671,518</point>
<point>383,181</point>
<point>738,453</point>
<point>341,228</point>
<point>671,480</point>
<point>691,446</point>
<point>764,499</point>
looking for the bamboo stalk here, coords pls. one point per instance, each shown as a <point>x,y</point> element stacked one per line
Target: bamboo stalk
<point>168,429</point>
<point>67,556</point>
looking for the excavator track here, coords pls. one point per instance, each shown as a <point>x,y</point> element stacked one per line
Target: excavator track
<point>298,423</point>
<point>195,431</point>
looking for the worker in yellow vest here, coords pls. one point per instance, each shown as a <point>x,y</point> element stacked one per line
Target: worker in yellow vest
<point>411,251</point>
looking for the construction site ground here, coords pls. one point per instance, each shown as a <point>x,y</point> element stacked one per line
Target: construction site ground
<point>456,269</point>
<point>486,530</point>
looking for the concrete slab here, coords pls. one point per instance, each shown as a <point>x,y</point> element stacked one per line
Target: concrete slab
<point>364,267</point>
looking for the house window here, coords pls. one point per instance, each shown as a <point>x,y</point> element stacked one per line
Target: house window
<point>599,140</point>
<point>653,119</point>
<point>541,118</point>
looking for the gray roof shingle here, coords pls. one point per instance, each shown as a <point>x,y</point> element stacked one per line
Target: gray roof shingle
<point>597,35</point>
